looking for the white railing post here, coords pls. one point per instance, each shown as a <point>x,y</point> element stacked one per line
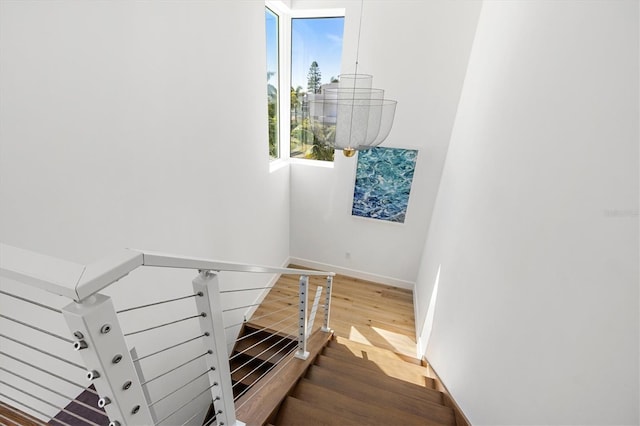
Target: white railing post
<point>215,340</point>
<point>102,346</point>
<point>302,352</point>
<point>327,304</point>
<point>314,309</point>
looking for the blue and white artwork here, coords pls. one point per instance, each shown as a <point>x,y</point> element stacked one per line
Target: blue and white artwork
<point>383,183</point>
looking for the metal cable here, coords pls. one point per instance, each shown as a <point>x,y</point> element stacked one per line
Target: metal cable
<point>257,304</point>
<point>30,408</point>
<point>43,352</point>
<point>202,314</point>
<point>271,313</point>
<point>175,368</point>
<point>181,387</point>
<point>264,374</point>
<point>11,422</point>
<point>49,373</point>
<point>260,365</point>
<point>44,401</point>
<point>257,343</point>
<point>7,419</point>
<point>264,328</point>
<point>170,347</point>
<point>235,325</point>
<point>36,328</point>
<point>199,413</point>
<point>265,350</point>
<point>55,392</point>
<point>241,307</point>
<point>200,294</point>
<point>30,301</point>
<point>263,316</point>
<point>210,421</point>
<point>244,289</point>
<point>186,403</point>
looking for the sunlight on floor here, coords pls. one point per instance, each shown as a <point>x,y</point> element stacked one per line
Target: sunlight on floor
<point>399,342</point>
<point>356,336</point>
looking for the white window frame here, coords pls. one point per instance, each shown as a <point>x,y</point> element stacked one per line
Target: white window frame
<point>285,15</point>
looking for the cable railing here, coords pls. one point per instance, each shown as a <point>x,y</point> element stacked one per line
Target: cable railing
<point>76,361</point>
<point>40,373</point>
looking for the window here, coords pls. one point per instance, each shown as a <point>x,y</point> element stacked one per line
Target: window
<point>273,110</point>
<point>316,54</point>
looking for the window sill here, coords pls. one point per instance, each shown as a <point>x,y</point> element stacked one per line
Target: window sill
<point>275,165</point>
<point>313,163</point>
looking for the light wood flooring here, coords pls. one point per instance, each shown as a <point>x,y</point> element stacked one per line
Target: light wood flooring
<point>362,311</point>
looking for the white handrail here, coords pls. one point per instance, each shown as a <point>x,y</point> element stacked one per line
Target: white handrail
<point>94,322</point>
<point>37,270</point>
<point>173,261</point>
<point>78,282</point>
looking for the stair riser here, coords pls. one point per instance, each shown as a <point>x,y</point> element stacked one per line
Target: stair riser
<point>395,371</point>
<point>384,398</point>
<point>363,375</point>
<point>369,413</point>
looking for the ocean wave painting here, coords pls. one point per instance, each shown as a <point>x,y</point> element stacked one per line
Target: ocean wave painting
<point>383,183</point>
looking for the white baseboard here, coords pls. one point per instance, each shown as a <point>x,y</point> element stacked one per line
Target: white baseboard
<point>381,279</point>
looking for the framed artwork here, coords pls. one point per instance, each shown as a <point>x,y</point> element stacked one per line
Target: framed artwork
<point>383,183</point>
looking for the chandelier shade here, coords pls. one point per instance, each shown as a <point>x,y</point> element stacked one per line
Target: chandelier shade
<point>351,115</point>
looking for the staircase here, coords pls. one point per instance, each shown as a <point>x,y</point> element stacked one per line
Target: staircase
<point>355,384</point>
<point>320,379</point>
<point>256,352</point>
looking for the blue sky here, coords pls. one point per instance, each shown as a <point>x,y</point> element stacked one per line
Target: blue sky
<point>272,45</point>
<point>313,39</point>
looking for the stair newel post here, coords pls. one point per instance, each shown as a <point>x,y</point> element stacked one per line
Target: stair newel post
<point>206,286</point>
<point>302,352</point>
<point>110,368</point>
<point>327,304</point>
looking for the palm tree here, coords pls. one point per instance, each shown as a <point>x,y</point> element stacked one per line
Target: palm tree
<point>323,141</point>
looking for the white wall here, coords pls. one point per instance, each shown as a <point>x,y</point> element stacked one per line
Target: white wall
<point>417,51</point>
<point>535,230</point>
<point>139,124</point>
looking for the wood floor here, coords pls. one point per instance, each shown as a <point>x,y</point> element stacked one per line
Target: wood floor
<point>362,311</point>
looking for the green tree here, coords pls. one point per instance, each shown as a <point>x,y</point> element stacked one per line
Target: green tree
<point>296,103</point>
<point>323,137</point>
<point>273,129</point>
<point>314,78</point>
<point>272,113</point>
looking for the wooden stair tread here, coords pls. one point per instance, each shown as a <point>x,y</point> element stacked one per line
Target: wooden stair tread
<point>356,347</point>
<point>295,412</point>
<point>265,347</point>
<point>391,370</point>
<point>383,397</point>
<point>251,327</point>
<point>345,406</point>
<point>375,361</point>
<point>398,369</point>
<point>17,416</point>
<point>398,387</point>
<point>247,373</point>
<point>366,377</point>
<point>260,402</point>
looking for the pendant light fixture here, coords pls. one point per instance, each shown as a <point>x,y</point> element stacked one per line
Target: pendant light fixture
<point>351,115</point>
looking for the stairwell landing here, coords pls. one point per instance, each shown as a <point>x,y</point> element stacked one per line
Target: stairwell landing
<point>365,372</point>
